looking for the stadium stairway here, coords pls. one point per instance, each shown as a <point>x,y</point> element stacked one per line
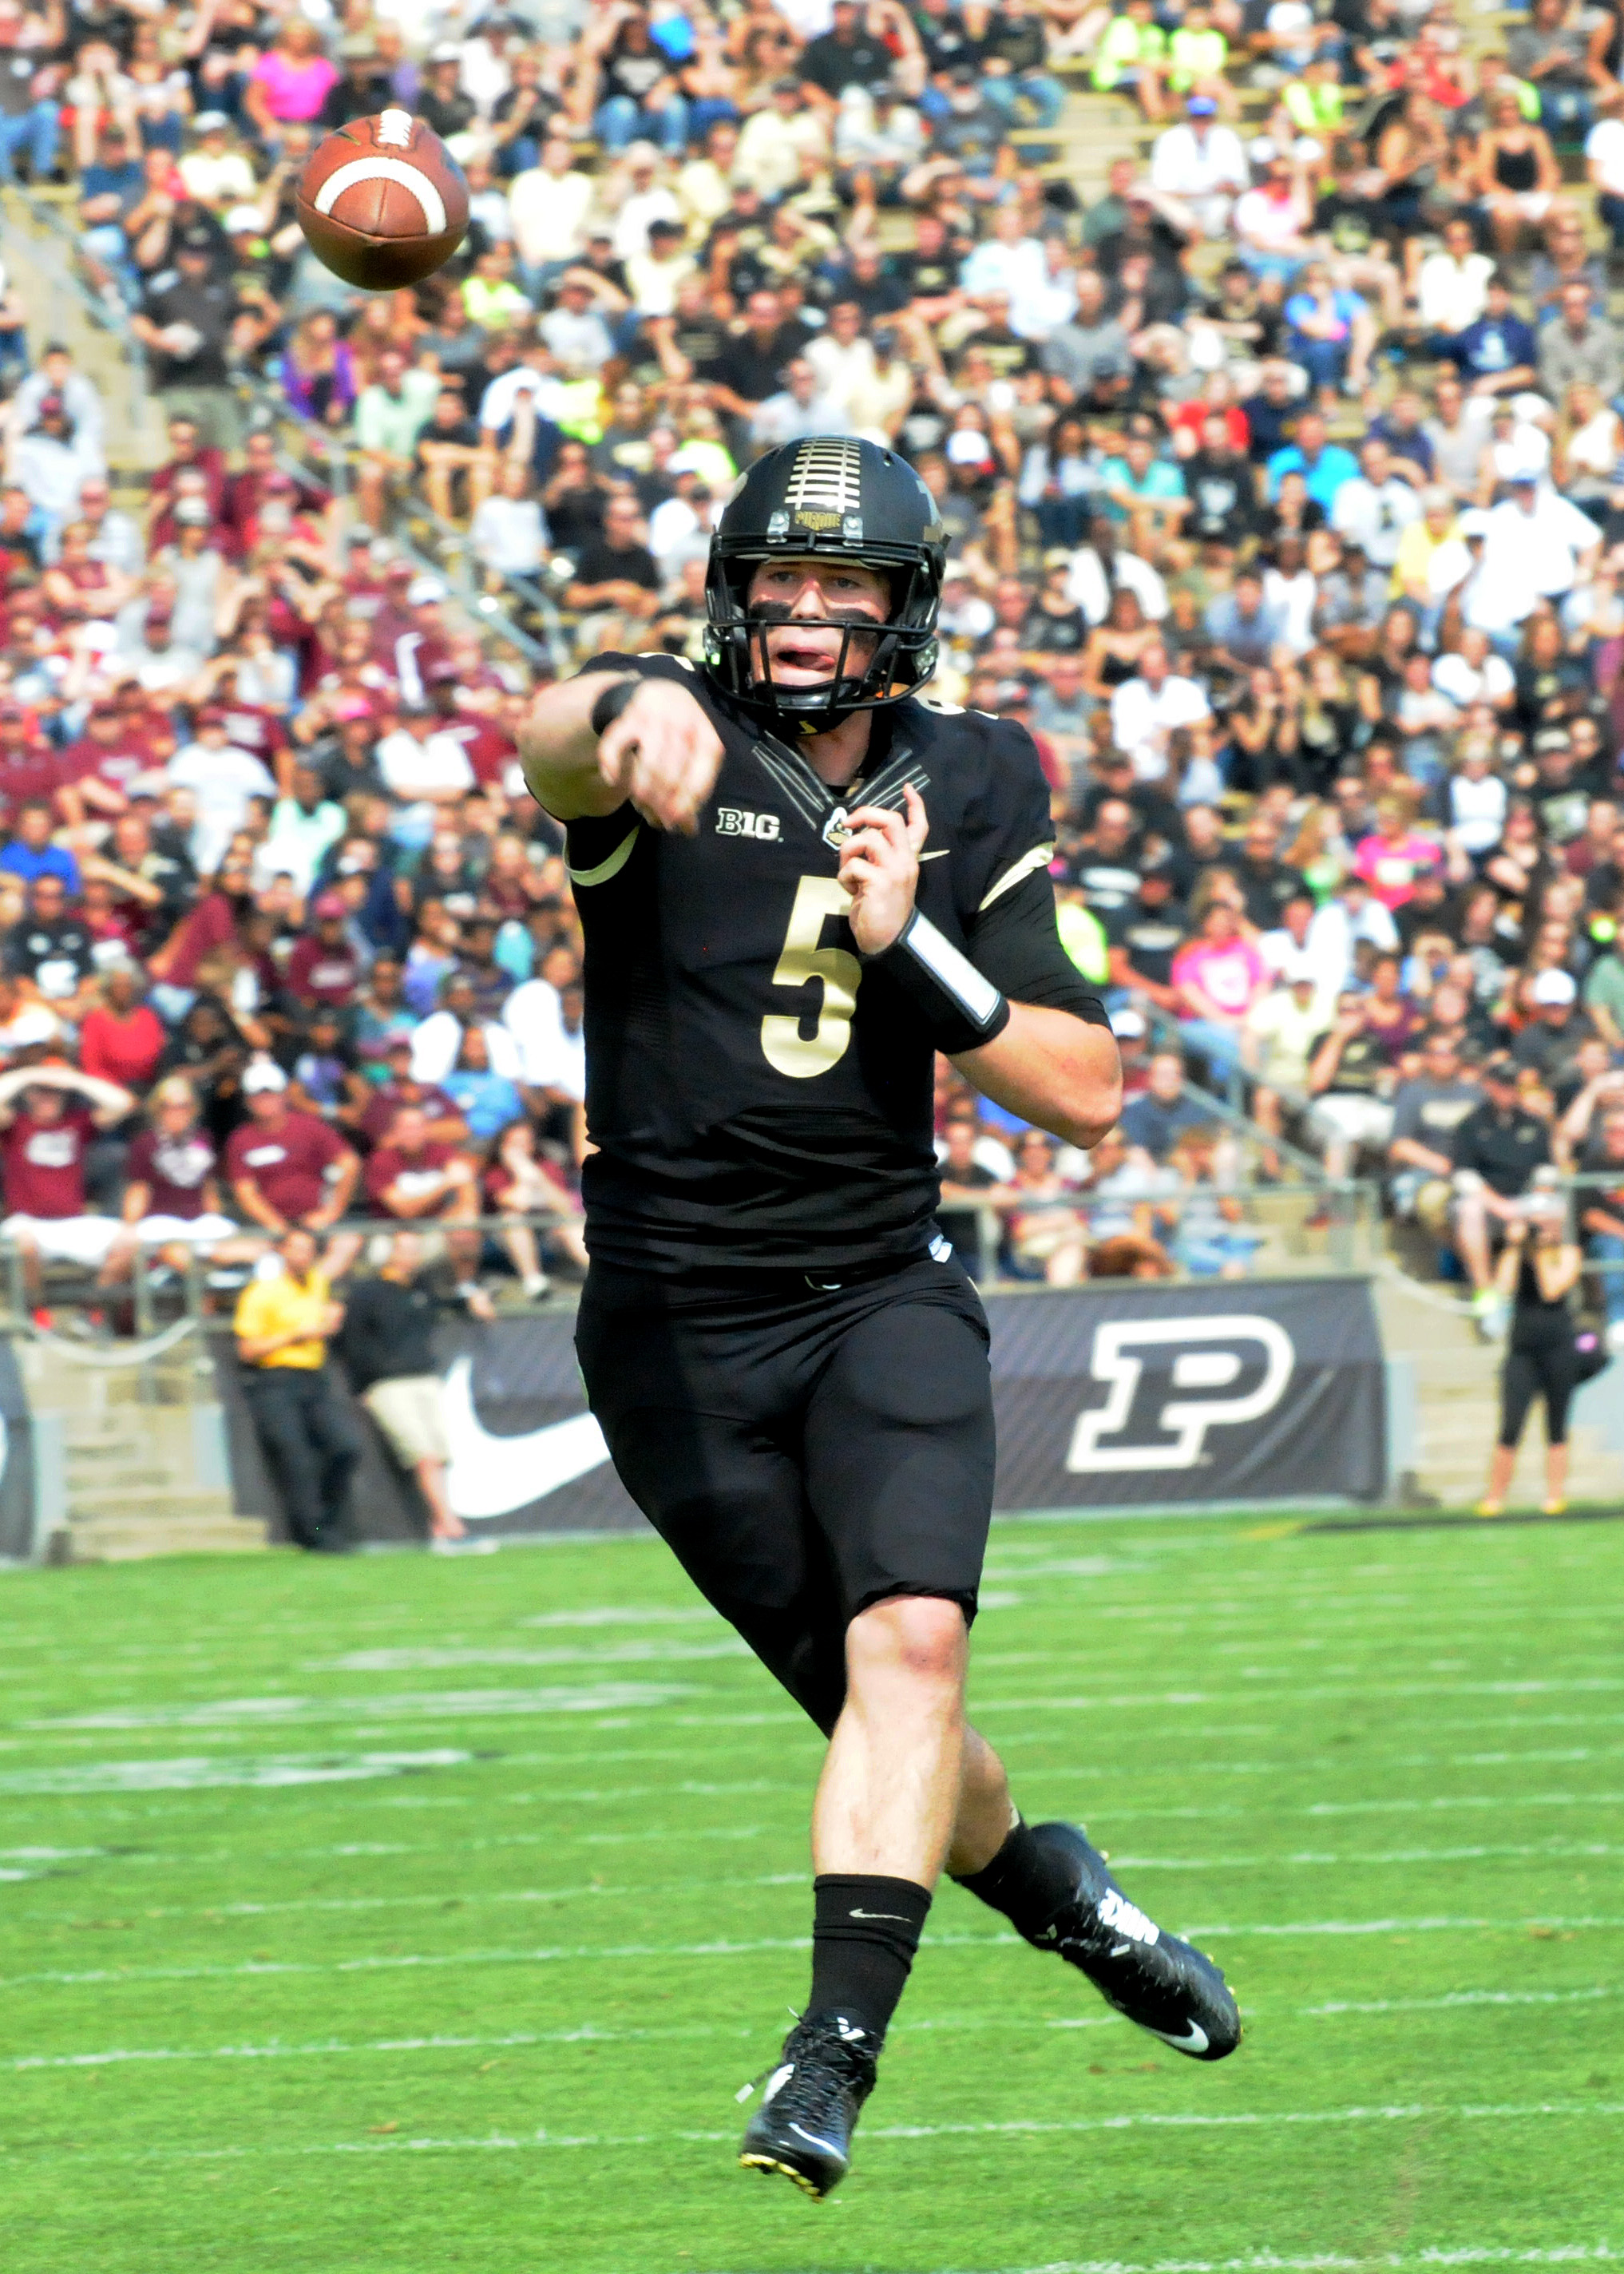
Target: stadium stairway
<point>130,1461</point>
<point>36,245</point>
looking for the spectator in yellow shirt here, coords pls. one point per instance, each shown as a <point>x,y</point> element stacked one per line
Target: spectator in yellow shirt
<point>309,1439</point>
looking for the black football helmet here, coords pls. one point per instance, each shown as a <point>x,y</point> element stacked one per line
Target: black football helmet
<point>828,495</point>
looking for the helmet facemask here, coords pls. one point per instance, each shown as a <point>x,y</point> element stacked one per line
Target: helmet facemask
<point>901,650</point>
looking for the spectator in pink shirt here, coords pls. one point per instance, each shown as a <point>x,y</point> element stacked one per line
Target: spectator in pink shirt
<point>1217,975</point>
<point>290,81</point>
<point>1392,859</point>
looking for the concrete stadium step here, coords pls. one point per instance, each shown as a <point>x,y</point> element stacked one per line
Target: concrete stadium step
<point>113,1540</point>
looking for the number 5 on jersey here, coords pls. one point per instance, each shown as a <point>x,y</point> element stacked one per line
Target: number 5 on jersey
<point>787,1048</point>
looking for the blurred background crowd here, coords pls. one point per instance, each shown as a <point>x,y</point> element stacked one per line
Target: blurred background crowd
<point>1260,353</point>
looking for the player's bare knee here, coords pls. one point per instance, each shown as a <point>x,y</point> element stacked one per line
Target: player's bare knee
<point>921,1637</point>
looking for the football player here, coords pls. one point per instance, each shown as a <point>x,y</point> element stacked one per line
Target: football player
<point>798,882</point>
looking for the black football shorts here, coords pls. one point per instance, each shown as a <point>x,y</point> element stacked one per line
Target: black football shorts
<point>804,1451</point>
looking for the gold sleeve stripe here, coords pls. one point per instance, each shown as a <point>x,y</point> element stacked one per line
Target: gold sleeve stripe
<point>1039,857</point>
<point>613,865</point>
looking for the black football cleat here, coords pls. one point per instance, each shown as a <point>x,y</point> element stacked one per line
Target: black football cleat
<point>1165,1985</point>
<point>810,2103</point>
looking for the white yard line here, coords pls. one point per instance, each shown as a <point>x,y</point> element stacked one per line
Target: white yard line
<point>544,2141</point>
<point>592,2033</point>
<point>595,1952</point>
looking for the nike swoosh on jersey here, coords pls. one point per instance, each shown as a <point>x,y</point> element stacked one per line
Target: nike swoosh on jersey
<point>896,1916</point>
<point>940,854</point>
<point>489,1476</point>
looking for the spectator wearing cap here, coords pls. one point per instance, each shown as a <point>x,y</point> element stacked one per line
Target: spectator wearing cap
<point>312,1444</point>
<point>422,764</point>
<point>364,88</point>
<point>184,322</point>
<point>51,459</point>
<point>1278,1037</point>
<point>288,1169</point>
<point>1201,165</point>
<point>1536,546</point>
<point>221,779</point>
<point>775,140</point>
<point>1550,1042</point>
<point>216,175</point>
<point>1496,1149</point>
<point>323,969</point>
<point>48,1117</point>
<point>575,330</point>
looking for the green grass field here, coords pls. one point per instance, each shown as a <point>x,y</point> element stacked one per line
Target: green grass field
<point>402,1914</point>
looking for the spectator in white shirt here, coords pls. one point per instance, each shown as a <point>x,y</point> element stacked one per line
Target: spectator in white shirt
<point>1202,165</point>
<point>222,780</point>
<point>1008,263</point>
<point>548,206</point>
<point>1604,161</point>
<point>436,1042</point>
<point>1376,507</point>
<point>1477,799</point>
<point>1474,674</point>
<point>1534,546</point>
<point>1145,711</point>
<point>841,356</point>
<point>1452,288</point>
<point>656,276</point>
<point>509,533</point>
<point>646,200</point>
<point>1101,565</point>
<point>420,763</point>
<point>774,139</point>
<point>573,330</point>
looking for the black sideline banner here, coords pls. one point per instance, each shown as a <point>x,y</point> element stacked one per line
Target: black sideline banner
<point>1113,1396</point>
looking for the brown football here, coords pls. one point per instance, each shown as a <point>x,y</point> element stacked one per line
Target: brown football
<point>383,202</point>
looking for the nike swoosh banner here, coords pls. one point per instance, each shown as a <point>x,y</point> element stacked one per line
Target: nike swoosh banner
<point>1111,1396</point>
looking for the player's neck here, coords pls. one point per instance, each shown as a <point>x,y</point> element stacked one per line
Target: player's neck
<point>837,757</point>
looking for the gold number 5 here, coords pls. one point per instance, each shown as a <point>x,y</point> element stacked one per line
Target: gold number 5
<point>787,1048</point>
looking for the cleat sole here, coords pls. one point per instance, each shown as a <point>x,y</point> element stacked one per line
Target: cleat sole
<point>761,2163</point>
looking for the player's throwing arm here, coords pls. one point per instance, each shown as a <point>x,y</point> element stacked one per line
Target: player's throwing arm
<point>598,741</point>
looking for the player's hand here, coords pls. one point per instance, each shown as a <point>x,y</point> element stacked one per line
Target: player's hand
<point>879,867</point>
<point>663,753</point>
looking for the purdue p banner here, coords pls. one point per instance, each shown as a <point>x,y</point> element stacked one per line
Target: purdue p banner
<point>1121,1395</point>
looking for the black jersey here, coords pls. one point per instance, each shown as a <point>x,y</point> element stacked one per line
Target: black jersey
<point>756,1096</point>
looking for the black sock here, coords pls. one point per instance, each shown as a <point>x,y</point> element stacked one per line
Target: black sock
<point>1023,1881</point>
<point>864,1934</point>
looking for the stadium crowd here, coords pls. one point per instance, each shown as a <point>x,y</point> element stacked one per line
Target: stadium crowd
<point>1285,485</point>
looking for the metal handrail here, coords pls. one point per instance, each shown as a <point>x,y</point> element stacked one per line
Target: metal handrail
<point>335,456</point>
